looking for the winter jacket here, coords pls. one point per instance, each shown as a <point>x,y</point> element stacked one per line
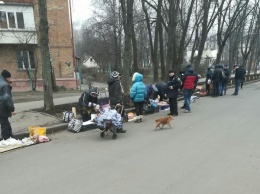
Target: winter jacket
<point>88,101</point>
<point>138,91</point>
<point>208,76</point>
<point>239,74</point>
<point>175,82</point>
<point>227,74</point>
<point>114,91</point>
<point>217,75</point>
<point>189,79</point>
<point>151,91</point>
<point>162,88</point>
<point>243,71</point>
<point>6,101</point>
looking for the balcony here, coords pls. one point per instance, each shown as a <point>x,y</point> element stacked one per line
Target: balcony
<point>17,24</point>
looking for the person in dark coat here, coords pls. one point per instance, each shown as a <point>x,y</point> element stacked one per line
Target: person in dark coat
<point>6,104</point>
<point>152,93</point>
<point>87,103</point>
<point>173,86</point>
<point>189,82</point>
<point>226,71</point>
<point>217,80</point>
<point>115,92</point>
<point>115,89</point>
<point>162,89</point>
<point>208,80</point>
<point>243,71</point>
<point>238,78</point>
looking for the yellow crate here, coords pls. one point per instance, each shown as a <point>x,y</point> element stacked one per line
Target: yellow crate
<point>37,130</point>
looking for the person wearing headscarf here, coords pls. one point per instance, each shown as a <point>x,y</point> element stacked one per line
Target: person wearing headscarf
<point>87,103</point>
<point>6,104</point>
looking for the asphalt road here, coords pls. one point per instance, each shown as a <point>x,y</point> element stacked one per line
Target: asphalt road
<point>215,149</point>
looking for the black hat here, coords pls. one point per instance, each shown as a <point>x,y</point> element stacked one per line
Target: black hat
<point>6,74</point>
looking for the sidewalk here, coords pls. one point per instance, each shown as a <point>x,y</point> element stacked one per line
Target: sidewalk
<point>25,117</point>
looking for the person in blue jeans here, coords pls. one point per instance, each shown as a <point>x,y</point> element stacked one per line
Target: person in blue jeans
<point>189,82</point>
<point>225,80</point>
<point>238,78</point>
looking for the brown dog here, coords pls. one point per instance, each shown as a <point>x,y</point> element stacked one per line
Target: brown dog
<point>163,121</point>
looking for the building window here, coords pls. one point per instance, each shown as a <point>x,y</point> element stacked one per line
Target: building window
<point>3,20</point>
<point>25,60</point>
<point>20,21</point>
<point>11,20</point>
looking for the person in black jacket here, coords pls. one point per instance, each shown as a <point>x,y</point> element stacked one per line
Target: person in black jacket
<point>115,89</point>
<point>173,86</point>
<point>87,103</point>
<point>238,78</point>
<point>6,104</point>
<point>225,79</point>
<point>162,89</point>
<point>243,71</point>
<point>208,80</point>
<point>217,80</point>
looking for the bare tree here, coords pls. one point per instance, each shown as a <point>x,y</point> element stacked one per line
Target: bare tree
<point>227,17</point>
<point>46,66</point>
<point>127,14</point>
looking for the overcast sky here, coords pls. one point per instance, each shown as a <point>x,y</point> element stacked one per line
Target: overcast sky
<point>81,10</point>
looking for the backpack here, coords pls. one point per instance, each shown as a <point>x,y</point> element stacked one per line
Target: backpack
<point>67,116</point>
<point>223,75</point>
<point>75,125</point>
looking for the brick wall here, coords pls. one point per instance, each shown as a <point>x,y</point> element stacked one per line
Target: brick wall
<point>60,46</point>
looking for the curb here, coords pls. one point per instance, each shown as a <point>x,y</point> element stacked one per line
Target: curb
<point>49,130</point>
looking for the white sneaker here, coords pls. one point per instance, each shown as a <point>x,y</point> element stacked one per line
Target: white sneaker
<point>187,111</point>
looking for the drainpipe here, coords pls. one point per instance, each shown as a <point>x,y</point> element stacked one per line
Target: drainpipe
<point>72,40</point>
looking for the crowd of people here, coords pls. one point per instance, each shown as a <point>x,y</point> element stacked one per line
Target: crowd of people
<point>219,79</point>
<point>216,85</point>
<point>141,94</point>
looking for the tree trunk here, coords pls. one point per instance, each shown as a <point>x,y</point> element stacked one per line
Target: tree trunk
<point>46,64</point>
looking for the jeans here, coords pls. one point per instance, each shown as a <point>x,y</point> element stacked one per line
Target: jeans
<point>187,96</point>
<point>224,88</point>
<point>220,92</point>
<point>237,85</point>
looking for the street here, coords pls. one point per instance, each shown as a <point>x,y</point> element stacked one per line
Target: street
<point>215,149</point>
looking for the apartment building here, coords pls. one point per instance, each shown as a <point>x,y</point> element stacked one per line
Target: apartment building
<point>20,51</point>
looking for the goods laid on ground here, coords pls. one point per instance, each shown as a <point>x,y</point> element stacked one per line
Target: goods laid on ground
<point>37,135</point>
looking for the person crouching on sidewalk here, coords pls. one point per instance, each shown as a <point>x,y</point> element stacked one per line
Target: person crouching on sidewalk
<point>6,104</point>
<point>87,103</point>
<point>138,94</point>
